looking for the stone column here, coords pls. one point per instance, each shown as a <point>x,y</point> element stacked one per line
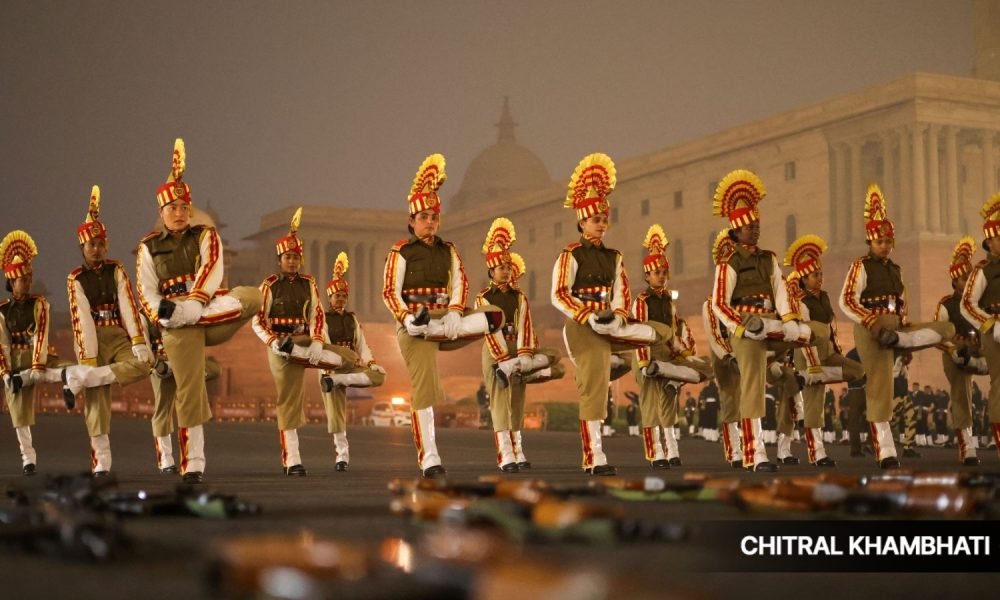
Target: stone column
<point>835,205</point>
<point>888,165</point>
<point>989,173</point>
<point>906,180</point>
<point>919,167</point>
<point>953,200</point>
<point>936,219</point>
<point>856,193</point>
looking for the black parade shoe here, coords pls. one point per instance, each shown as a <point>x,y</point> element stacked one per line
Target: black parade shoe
<point>326,384</point>
<point>510,468</point>
<point>100,474</point>
<point>29,469</point>
<point>501,377</point>
<point>765,467</point>
<point>296,471</point>
<point>16,383</point>
<point>340,466</point>
<point>910,453</point>
<point>660,464</point>
<point>889,462</point>
<point>68,396</point>
<point>434,472</point>
<point>971,461</point>
<point>524,464</point>
<point>826,461</point>
<point>789,460</point>
<point>165,310</point>
<point>192,477</point>
<point>675,461</point>
<point>287,345</point>
<point>736,464</point>
<point>422,317</point>
<point>602,471</point>
<point>171,470</point>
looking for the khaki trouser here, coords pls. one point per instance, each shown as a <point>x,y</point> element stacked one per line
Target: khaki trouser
<point>335,402</point>
<point>961,392</point>
<point>652,395</point>
<point>591,355</point>
<point>420,356</point>
<point>786,386</point>
<point>877,363</point>
<point>114,348</point>
<point>164,394</point>
<point>813,395</point>
<point>728,382</point>
<point>22,404</point>
<point>289,378</point>
<point>506,403</point>
<point>991,350</point>
<point>185,348</point>
<point>751,355</point>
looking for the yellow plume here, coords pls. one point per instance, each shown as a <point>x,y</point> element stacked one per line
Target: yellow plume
<point>500,236</point>
<point>738,189</point>
<point>430,175</point>
<point>595,176</point>
<point>296,221</point>
<point>340,266</point>
<point>94,210</point>
<point>656,240</point>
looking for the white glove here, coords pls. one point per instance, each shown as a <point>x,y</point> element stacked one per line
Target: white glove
<point>452,322</point>
<point>790,329</point>
<point>186,312</point>
<point>7,389</point>
<point>35,376</point>
<point>524,363</point>
<point>141,352</point>
<point>604,328</point>
<point>275,345</point>
<point>414,330</point>
<point>378,368</point>
<point>314,352</point>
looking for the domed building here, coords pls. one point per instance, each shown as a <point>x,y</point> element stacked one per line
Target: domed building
<point>505,169</point>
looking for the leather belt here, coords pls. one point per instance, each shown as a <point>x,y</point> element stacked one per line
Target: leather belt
<point>893,304</point>
<point>426,298</point>
<point>761,302</point>
<point>175,289</point>
<point>591,297</point>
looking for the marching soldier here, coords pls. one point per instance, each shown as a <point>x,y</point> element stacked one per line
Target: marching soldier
<point>519,344</point>
<point>751,300</point>
<point>24,332</point>
<point>590,287</point>
<point>343,329</point>
<point>180,271</point>
<point>659,369</point>
<point>107,331</point>
<point>291,324</point>
<point>822,362</point>
<point>981,305</point>
<point>963,360</point>
<point>426,291</point>
<point>874,298</point>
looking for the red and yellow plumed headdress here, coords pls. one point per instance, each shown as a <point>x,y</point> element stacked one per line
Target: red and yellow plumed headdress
<point>291,242</point>
<point>792,285</point>
<point>175,188</point>
<point>961,258</point>
<point>990,212</point>
<point>17,250</point>
<point>92,228</point>
<point>737,197</point>
<point>589,186</point>
<point>877,223</point>
<point>338,282</point>
<point>496,248</point>
<point>723,247</point>
<point>655,243</point>
<point>803,255</point>
<point>423,193</point>
<point>518,268</point>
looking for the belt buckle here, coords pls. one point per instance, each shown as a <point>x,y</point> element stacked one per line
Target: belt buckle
<point>891,305</point>
<point>766,304</point>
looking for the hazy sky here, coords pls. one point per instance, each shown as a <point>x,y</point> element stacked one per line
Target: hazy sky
<point>338,102</point>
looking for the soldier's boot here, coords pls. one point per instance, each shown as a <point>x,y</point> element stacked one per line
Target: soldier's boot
<point>670,437</point>
<point>594,460</point>
<point>732,447</point>
<point>816,449</point>
<point>341,451</point>
<point>100,454</point>
<point>28,456</point>
<point>192,446</point>
<point>967,446</point>
<point>754,452</point>
<point>785,450</point>
<point>885,447</point>
<point>472,325</point>
<point>666,370</point>
<point>422,423</point>
<point>351,380</point>
<point>653,448</point>
<point>919,338</point>
<point>506,460</point>
<point>164,454</point>
<point>291,460</point>
<point>328,359</point>
<point>518,444</point>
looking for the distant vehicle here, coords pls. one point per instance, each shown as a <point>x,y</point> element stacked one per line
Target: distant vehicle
<point>384,414</point>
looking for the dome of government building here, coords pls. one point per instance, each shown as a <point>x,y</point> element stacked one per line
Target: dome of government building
<point>502,169</point>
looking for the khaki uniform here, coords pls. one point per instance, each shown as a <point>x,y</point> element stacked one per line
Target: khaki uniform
<point>980,305</point>
<point>27,329</point>
<point>343,330</point>
<point>949,309</point>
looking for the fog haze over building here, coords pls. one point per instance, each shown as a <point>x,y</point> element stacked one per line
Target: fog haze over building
<point>337,103</point>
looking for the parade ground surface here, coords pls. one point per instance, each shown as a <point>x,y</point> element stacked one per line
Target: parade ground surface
<point>173,554</point>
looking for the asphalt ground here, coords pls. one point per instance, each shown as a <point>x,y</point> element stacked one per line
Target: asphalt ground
<point>171,555</point>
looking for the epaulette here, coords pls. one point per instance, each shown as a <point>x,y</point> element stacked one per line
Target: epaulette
<point>945,298</point>
<point>112,261</point>
<point>74,273</point>
<point>271,279</point>
<point>982,263</point>
<point>572,246</point>
<point>307,277</point>
<point>5,302</point>
<point>484,290</point>
<point>399,245</point>
<point>151,235</point>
